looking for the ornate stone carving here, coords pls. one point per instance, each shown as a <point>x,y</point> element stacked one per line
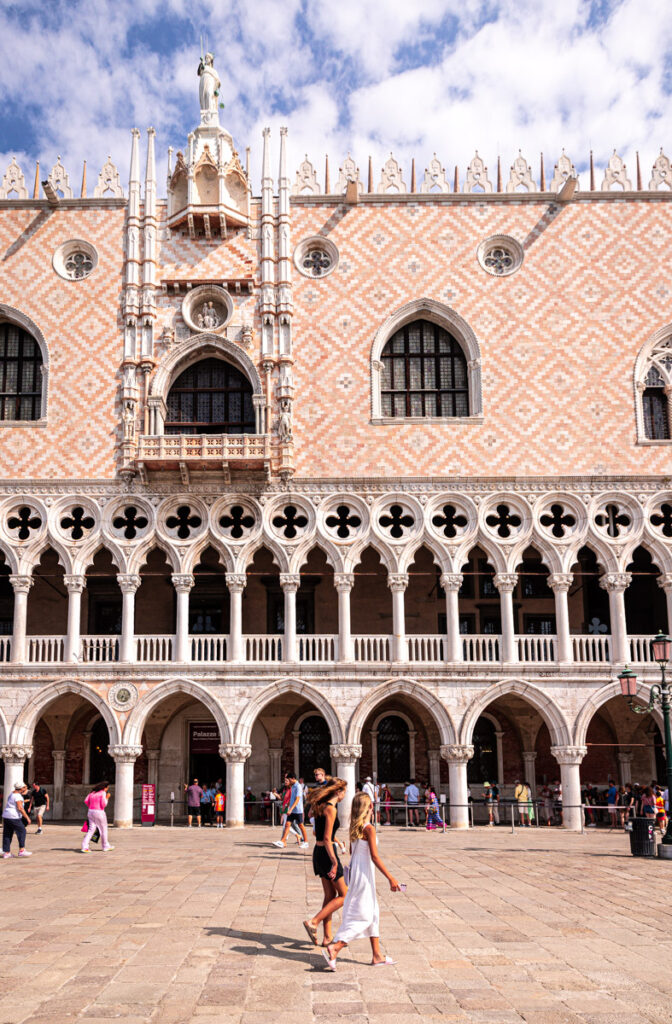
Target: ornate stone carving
<point>391,179</point>
<point>616,174</point>
<point>306,180</point>
<point>13,181</point>
<point>560,582</point>
<point>348,172</point>
<point>21,584</point>
<point>124,754</point>
<point>346,753</point>
<point>344,582</point>
<point>108,181</point>
<point>397,581</point>
<point>128,582</point>
<point>234,752</point>
<point>236,582</point>
<point>285,421</point>
<point>182,581</point>
<point>290,582</point>
<point>661,173</point>
<point>521,176</point>
<point>208,90</point>
<point>16,753</point>
<point>615,582</point>
<point>456,753</point>
<point>59,180</point>
<point>505,581</point>
<point>74,584</point>
<point>563,169</point>
<point>122,696</point>
<point>451,580</point>
<point>569,755</point>
<point>477,176</point>
<point>435,177</point>
<point>665,581</point>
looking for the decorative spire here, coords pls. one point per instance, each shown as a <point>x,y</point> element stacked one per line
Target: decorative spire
<point>36,187</point>
<point>592,173</point>
<point>83,192</point>
<point>413,175</point>
<point>639,174</point>
<point>369,187</point>
<point>327,183</point>
<point>499,174</point>
<point>169,172</point>
<point>150,170</point>
<point>247,162</point>
<point>134,175</point>
<point>456,182</point>
<point>542,174</point>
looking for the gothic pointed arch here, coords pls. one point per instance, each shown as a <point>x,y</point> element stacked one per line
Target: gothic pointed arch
<point>653,387</point>
<point>462,348</point>
<point>255,706</point>
<point>600,698</point>
<point>393,688</point>
<point>30,355</point>
<point>545,705</point>
<point>135,723</point>
<point>24,725</point>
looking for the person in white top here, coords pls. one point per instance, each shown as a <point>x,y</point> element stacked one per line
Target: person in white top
<point>13,818</point>
<point>361,916</point>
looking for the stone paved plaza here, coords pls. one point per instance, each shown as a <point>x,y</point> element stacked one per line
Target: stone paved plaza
<point>175,926</point>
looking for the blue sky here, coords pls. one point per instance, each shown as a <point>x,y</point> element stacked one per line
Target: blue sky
<point>444,76</point>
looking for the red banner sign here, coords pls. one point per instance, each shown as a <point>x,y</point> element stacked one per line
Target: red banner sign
<point>148,806</point>
<point>204,738</point>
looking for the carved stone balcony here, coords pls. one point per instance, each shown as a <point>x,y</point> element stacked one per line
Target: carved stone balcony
<point>210,452</point>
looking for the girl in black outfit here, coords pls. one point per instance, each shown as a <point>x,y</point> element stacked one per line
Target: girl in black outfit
<point>323,803</point>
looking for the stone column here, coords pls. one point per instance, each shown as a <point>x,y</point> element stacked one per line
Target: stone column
<point>15,756</point>
<point>59,784</point>
<point>128,584</point>
<point>506,584</point>
<point>397,582</point>
<point>21,585</point>
<point>451,583</point>
<point>499,733</point>
<point>529,757</point>
<point>275,758</point>
<point>235,755</point>
<point>665,582</point>
<point>569,759</point>
<point>183,582</point>
<point>124,759</point>
<point>346,756</point>
<point>344,582</point>
<point>73,641</point>
<point>615,583</point>
<point>457,757</point>
<point>236,583</point>
<point>86,760</point>
<point>560,582</point>
<point>625,767</point>
<point>153,756</point>
<point>434,758</point>
<point>290,583</point>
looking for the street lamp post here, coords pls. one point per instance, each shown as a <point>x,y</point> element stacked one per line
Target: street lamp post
<point>661,647</point>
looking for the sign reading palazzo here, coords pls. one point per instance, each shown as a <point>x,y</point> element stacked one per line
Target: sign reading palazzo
<point>204,738</point>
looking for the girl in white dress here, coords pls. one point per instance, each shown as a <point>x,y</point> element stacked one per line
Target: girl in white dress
<point>360,910</point>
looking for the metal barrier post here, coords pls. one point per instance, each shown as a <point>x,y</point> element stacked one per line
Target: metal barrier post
<point>513,823</point>
<point>406,806</point>
<point>172,809</point>
<point>471,814</point>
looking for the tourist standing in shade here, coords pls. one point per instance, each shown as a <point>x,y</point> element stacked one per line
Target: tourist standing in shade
<point>326,865</point>
<point>412,798</point>
<point>14,821</point>
<point>96,802</point>
<point>194,796</point>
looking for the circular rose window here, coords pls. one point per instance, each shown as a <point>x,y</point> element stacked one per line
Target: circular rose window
<point>316,257</point>
<point>500,255</point>
<point>75,260</point>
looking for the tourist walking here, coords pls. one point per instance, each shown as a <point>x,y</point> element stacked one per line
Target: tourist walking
<point>38,802</point>
<point>434,819</point>
<point>361,916</point>
<point>412,799</point>
<point>96,802</point>
<point>284,804</point>
<point>294,814</point>
<point>326,864</point>
<point>14,821</point>
<point>194,796</point>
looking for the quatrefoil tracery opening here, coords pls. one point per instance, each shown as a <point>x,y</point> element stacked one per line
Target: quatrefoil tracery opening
<point>503,521</point>
<point>397,521</point>
<point>77,523</point>
<point>663,519</point>
<point>450,519</point>
<point>237,520</point>
<point>24,521</point>
<point>131,521</point>
<point>290,522</point>
<point>183,522</point>
<point>344,522</point>
<point>557,519</point>
<point>612,519</point>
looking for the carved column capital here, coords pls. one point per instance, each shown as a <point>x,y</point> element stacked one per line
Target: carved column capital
<point>456,753</point>
<point>625,757</point>
<point>397,582</point>
<point>154,754</point>
<point>451,580</point>
<point>344,582</point>
<point>16,753</point>
<point>530,755</point>
<point>124,754</point>
<point>21,584</point>
<point>128,582</point>
<point>665,581</point>
<point>58,755</point>
<point>236,582</point>
<point>505,582</point>
<point>74,583</point>
<point>182,581</point>
<point>290,582</point>
<point>234,752</point>
<point>346,753</point>
<point>569,755</point>
<point>615,582</point>
<point>560,582</point>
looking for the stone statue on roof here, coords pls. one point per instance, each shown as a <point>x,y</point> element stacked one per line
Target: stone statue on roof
<point>208,89</point>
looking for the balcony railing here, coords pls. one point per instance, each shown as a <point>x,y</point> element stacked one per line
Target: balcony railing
<point>100,648</point>
<point>154,648</point>
<point>166,450</point>
<point>481,647</point>
<point>592,647</point>
<point>5,648</point>
<point>45,650</point>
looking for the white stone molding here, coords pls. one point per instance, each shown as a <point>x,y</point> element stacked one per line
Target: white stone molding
<point>477,176</point>
<point>74,583</point>
<point>505,582</point>
<point>59,180</point>
<point>397,519</point>
<point>345,753</point>
<point>338,526</point>
<point>444,316</point>
<point>348,172</point>
<point>615,582</point>
<point>618,527</point>
<point>21,584</point>
<point>140,714</point>
<point>289,527</point>
<point>345,581</point>
<point>435,180</point>
<point>290,581</point>
<point>665,582</point>
<point>124,753</point>
<point>236,518</point>
<point>615,174</point>
<point>506,519</point>
<point>13,181</point>
<point>451,581</point>
<point>311,694</point>
<point>569,755</point>
<point>560,582</point>
<point>398,582</point>
<point>564,169</point>
<point>521,176</point>
<point>391,180</point>
<point>128,582</point>
<point>455,753</point>
<point>452,519</point>
<point>173,522</point>
<point>183,582</point>
<point>236,582</point>
<point>108,182</point>
<point>661,173</point>
<point>21,320</point>
<point>234,752</point>
<point>306,180</point>
<point>16,753</point>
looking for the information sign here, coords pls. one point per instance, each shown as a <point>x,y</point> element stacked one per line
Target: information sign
<point>148,805</point>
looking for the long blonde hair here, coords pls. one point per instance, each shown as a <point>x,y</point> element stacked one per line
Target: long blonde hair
<point>359,812</point>
<point>319,797</point>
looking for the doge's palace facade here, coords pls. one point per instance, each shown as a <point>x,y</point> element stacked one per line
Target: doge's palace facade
<point>372,471</point>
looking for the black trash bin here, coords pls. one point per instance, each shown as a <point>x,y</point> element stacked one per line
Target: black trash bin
<point>642,842</point>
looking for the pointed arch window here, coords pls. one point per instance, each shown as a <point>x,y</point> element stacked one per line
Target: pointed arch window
<point>424,373</point>
<point>653,379</point>
<point>20,374</point>
<point>655,407</point>
<point>210,397</point>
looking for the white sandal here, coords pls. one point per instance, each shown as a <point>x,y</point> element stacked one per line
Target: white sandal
<point>331,964</point>
<point>387,962</point>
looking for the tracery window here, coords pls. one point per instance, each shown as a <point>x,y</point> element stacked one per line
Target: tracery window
<point>210,397</point>
<point>314,743</point>
<point>20,374</point>
<point>424,373</point>
<point>394,750</point>
<point>653,380</point>
<point>654,407</point>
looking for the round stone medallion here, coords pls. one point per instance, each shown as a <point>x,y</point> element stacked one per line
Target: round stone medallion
<point>123,696</point>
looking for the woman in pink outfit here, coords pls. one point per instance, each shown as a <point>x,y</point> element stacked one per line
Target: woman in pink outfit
<point>96,801</point>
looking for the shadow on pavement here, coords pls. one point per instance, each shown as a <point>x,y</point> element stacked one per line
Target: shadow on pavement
<point>265,945</point>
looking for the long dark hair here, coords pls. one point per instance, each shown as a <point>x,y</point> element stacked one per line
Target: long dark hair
<point>99,785</point>
<point>319,797</point>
